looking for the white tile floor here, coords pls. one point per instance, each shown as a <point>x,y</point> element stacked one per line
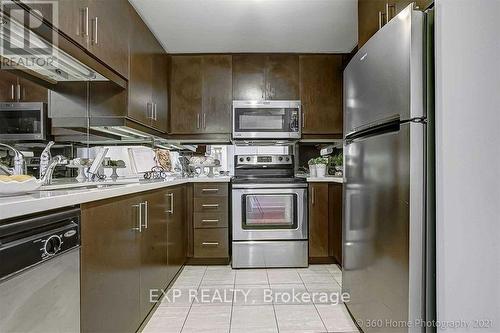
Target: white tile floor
<point>220,299</point>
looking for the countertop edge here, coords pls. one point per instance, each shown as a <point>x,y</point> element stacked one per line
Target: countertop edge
<point>339,180</point>
<point>12,207</point>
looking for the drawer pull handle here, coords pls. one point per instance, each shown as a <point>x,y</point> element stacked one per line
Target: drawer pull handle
<point>210,243</point>
<point>210,205</point>
<point>209,221</point>
<point>210,190</point>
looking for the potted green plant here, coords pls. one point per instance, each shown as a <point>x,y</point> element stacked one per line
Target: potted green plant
<point>338,161</point>
<point>312,167</point>
<point>321,163</point>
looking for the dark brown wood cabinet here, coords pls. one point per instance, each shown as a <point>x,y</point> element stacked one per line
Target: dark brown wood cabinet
<point>265,77</point>
<point>186,95</point>
<point>321,94</point>
<point>217,93</point>
<point>110,265</point>
<point>130,245</point>
<point>8,86</point>
<point>148,77</point>
<point>109,23</point>
<point>100,26</point>
<point>325,223</point>
<point>154,241</point>
<point>17,89</point>
<point>201,94</point>
<point>318,220</point>
<point>249,77</point>
<point>373,14</point>
<point>208,231</point>
<point>176,229</point>
<point>282,77</point>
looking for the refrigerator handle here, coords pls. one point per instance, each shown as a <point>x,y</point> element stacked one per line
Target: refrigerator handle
<point>392,125</point>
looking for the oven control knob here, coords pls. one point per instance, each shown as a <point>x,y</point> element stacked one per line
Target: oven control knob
<point>288,159</point>
<point>280,158</point>
<point>241,159</point>
<point>52,245</point>
<point>248,159</point>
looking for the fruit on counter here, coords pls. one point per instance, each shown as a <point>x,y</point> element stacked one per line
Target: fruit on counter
<point>15,178</point>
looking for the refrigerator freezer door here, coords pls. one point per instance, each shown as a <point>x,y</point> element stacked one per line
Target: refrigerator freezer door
<point>385,77</point>
<point>382,240</point>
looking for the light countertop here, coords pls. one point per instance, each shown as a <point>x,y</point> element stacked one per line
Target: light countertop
<point>41,201</point>
<point>328,179</point>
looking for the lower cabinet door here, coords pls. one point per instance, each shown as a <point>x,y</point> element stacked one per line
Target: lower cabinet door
<point>176,253</point>
<point>110,266</point>
<point>318,220</point>
<point>211,243</point>
<point>153,248</point>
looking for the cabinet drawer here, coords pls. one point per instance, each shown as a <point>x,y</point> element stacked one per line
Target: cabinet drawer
<point>210,189</point>
<point>211,205</point>
<point>210,220</point>
<point>211,243</point>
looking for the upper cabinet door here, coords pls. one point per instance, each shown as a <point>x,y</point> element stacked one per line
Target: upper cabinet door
<point>282,77</point>
<point>249,77</point>
<point>217,94</point>
<point>109,22</point>
<point>160,89</point>
<point>8,86</point>
<point>321,93</point>
<point>186,95</point>
<point>140,76</point>
<point>74,20</point>
<point>369,12</point>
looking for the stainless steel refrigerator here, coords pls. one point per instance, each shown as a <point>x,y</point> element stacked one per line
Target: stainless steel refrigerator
<point>385,241</point>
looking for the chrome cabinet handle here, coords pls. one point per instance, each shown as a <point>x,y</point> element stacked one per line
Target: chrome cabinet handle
<point>209,221</point>
<point>381,19</point>
<point>303,118</point>
<point>84,16</point>
<point>204,120</point>
<point>155,107</point>
<point>146,214</point>
<point>18,92</point>
<point>149,110</point>
<point>95,33</point>
<point>171,210</point>
<point>12,92</point>
<point>210,205</point>
<point>139,217</point>
<point>210,243</point>
<point>313,192</point>
<point>198,121</point>
<point>210,190</point>
<point>388,7</point>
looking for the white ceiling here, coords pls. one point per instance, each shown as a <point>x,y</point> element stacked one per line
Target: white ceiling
<point>238,26</point>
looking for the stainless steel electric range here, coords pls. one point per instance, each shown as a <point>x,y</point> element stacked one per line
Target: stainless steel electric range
<point>269,213</point>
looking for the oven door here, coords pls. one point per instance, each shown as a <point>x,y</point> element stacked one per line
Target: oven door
<point>269,213</point>
<point>266,120</point>
<point>23,121</point>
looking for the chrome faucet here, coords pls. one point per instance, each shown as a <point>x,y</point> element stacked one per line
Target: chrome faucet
<point>45,158</point>
<point>19,164</point>
<point>54,162</point>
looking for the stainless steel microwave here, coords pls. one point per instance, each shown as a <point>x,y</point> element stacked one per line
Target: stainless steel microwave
<point>23,121</point>
<point>267,120</point>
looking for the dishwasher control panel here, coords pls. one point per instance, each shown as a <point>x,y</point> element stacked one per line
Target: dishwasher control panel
<point>26,243</point>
